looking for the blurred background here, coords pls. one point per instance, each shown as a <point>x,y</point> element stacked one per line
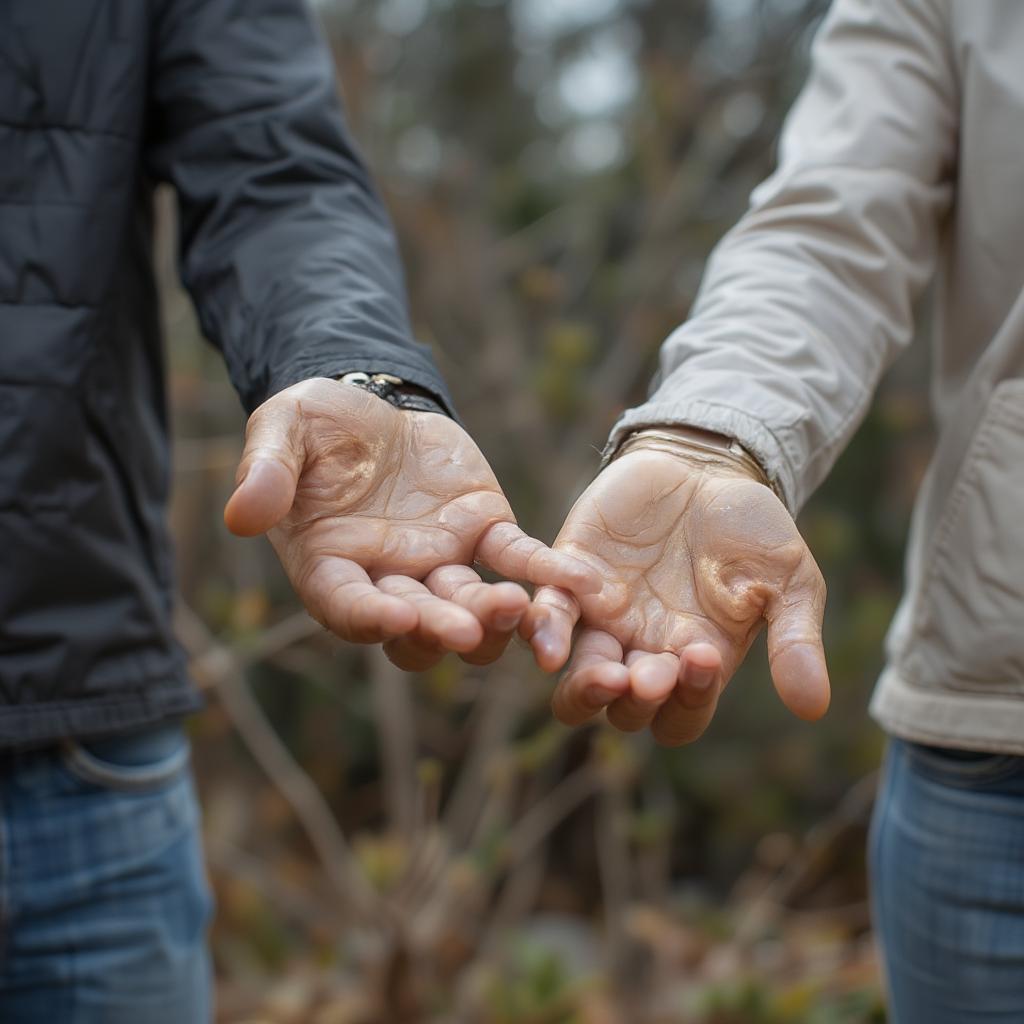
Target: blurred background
<point>392,848</point>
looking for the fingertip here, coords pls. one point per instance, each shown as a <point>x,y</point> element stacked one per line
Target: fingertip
<point>511,594</point>
<point>562,571</point>
<point>505,622</point>
<point>532,619</point>
<point>653,677</point>
<point>500,607</point>
<point>263,497</point>
<point>701,657</point>
<point>606,684</point>
<point>510,603</point>
<point>462,633</point>
<point>549,651</point>
<point>550,645</point>
<point>584,692</point>
<point>615,675</point>
<point>396,617</point>
<point>580,578</point>
<point>801,678</point>
<point>236,514</point>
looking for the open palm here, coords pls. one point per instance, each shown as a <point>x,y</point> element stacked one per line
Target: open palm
<point>378,516</point>
<point>694,561</point>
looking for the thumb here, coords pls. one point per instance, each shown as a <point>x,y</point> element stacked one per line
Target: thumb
<point>795,651</point>
<point>269,470</point>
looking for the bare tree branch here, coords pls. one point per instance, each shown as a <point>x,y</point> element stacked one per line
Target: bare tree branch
<point>394,715</point>
<point>330,844</point>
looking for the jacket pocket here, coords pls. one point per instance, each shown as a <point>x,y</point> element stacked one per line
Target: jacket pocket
<point>968,630</point>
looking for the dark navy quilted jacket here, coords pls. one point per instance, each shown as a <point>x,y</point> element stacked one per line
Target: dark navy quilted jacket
<point>286,252</point>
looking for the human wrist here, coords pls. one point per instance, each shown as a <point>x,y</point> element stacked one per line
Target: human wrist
<point>705,450</point>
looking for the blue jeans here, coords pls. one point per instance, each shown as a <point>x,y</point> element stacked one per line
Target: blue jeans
<point>947,864</point>
<point>103,898</point>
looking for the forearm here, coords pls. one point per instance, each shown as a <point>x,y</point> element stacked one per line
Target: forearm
<point>286,247</point>
<point>811,295</point>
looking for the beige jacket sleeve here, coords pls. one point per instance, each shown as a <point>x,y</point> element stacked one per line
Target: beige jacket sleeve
<point>807,300</point>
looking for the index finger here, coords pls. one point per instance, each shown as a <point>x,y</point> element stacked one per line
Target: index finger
<point>339,595</point>
<point>499,607</point>
<point>506,549</point>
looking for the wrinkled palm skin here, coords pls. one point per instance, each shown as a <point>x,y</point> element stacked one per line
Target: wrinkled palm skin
<point>396,492</point>
<point>694,562</point>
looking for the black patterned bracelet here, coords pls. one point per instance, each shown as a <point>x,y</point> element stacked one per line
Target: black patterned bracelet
<point>394,390</point>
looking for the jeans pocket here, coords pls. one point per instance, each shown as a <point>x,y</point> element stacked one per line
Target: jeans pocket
<point>964,768</point>
<point>131,762</point>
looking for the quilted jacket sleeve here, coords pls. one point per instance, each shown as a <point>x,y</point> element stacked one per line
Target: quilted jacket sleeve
<point>286,248</point>
<point>806,301</point>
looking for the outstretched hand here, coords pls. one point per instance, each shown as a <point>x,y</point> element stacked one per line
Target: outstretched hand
<point>694,561</point>
<point>378,516</point>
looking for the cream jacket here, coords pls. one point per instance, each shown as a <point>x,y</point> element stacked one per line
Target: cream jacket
<point>901,162</point>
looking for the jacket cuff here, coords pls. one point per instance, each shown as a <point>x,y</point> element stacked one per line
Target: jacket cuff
<point>753,434</point>
<point>411,364</point>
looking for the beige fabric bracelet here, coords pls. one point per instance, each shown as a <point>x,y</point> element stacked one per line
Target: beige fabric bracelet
<point>697,446</point>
